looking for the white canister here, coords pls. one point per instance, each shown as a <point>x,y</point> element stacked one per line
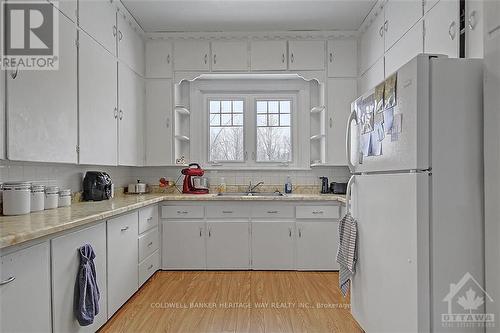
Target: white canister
<point>16,198</point>
<point>37,197</point>
<point>51,197</point>
<point>64,198</point>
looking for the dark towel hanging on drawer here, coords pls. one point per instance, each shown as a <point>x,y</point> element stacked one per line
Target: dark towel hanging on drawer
<point>86,288</point>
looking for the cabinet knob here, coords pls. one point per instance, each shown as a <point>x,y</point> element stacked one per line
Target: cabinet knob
<point>9,280</point>
<point>201,231</point>
<point>115,113</point>
<point>125,229</point>
<point>300,232</point>
<point>168,59</point>
<point>215,59</point>
<point>331,57</point>
<point>206,58</point>
<point>120,114</point>
<point>472,20</point>
<point>381,31</point>
<point>386,25</point>
<point>291,58</point>
<point>331,122</point>
<point>283,58</point>
<point>209,232</point>
<point>150,244</point>
<point>289,232</point>
<point>149,219</point>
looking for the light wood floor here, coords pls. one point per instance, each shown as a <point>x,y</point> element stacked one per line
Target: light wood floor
<point>244,301</point>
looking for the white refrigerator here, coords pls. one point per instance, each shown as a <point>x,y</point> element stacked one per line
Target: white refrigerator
<point>417,194</point>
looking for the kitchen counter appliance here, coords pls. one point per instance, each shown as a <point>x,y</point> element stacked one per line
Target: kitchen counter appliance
<point>189,186</point>
<point>97,186</point>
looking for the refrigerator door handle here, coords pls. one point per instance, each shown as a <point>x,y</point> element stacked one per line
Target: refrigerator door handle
<point>352,116</point>
<point>348,194</point>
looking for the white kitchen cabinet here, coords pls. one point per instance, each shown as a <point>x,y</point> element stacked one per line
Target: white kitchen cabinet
<point>400,16</point>
<point>268,55</point>
<point>442,31</point>
<point>184,245</point>
<point>159,59</point>
<point>25,290</point>
<point>306,55</point>
<point>98,19</point>
<point>405,49</point>
<point>228,245</point>
<point>341,92</point>
<point>98,127</point>
<point>372,43</point>
<point>492,15</point>
<point>65,266</point>
<point>148,218</point>
<point>317,244</point>
<point>474,29</point>
<point>273,245</point>
<point>149,242</point>
<point>42,107</point>
<point>158,134</point>
<point>229,55</point>
<point>130,115</point>
<point>148,267</point>
<point>192,55</point>
<point>342,58</point>
<point>372,77</point>
<point>122,256</point>
<point>130,44</point>
<point>2,115</point>
<point>67,7</point>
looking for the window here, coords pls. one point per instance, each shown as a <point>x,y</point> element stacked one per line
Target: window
<point>226,130</point>
<point>274,132</point>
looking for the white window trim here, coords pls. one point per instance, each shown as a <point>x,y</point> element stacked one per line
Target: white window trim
<point>295,90</point>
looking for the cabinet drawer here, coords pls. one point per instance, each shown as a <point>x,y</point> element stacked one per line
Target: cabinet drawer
<point>148,267</point>
<point>272,212</point>
<point>182,212</point>
<point>148,218</point>
<point>318,212</point>
<point>228,211</point>
<point>148,243</point>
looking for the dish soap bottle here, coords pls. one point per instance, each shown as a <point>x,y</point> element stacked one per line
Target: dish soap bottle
<point>288,185</point>
<point>222,185</point>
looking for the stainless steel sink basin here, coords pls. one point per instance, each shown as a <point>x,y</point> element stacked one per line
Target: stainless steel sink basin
<point>251,194</point>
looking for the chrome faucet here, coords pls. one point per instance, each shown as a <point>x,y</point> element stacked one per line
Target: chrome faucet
<point>252,188</point>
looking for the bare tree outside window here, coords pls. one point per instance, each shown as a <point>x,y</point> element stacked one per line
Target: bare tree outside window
<point>274,141</point>
<point>226,130</point>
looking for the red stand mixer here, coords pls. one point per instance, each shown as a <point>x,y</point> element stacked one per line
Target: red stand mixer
<point>193,170</point>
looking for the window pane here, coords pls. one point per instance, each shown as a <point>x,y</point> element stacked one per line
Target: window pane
<point>237,106</point>
<point>273,120</point>
<point>274,144</point>
<point>237,119</point>
<point>226,106</point>
<point>284,106</point>
<point>226,120</point>
<point>214,120</point>
<point>261,107</point>
<point>284,119</point>
<point>226,144</point>
<point>214,106</point>
<point>273,106</point>
<point>262,120</point>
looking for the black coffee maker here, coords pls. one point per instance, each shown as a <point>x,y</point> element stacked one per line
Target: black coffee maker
<point>96,186</point>
<point>325,187</point>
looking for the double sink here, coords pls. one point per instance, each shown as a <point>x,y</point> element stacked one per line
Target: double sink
<point>251,194</point>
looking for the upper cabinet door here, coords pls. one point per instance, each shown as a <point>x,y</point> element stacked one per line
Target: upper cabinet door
<point>130,44</point>
<point>229,56</point>
<point>130,115</point>
<point>405,49</point>
<point>42,107</point>
<point>98,104</point>
<point>442,31</point>
<point>342,58</point>
<point>306,55</point>
<point>268,55</point>
<point>158,133</point>
<point>98,19</point>
<point>474,28</point>
<point>158,59</point>
<point>492,15</point>
<point>372,77</point>
<point>192,56</point>
<point>372,43</point>
<point>400,16</point>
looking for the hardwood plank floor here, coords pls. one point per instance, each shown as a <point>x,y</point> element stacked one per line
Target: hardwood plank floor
<point>236,301</point>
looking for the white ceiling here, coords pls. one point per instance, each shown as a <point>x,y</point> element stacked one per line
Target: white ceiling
<point>248,15</point>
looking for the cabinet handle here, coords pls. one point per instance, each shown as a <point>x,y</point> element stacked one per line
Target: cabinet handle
<point>331,122</point>
<point>283,58</point>
<point>209,232</point>
<point>227,212</point>
<point>331,57</point>
<point>386,25</point>
<point>182,212</point>
<point>472,20</point>
<point>120,35</point>
<point>114,30</point>
<point>289,232</point>
<point>14,74</point>
<point>291,58</point>
<point>168,59</point>
<point>150,266</point>
<point>125,229</point>
<point>452,31</point>
<point>201,231</point>
<point>272,212</point>
<point>149,219</point>
<point>215,59</point>
<point>9,280</point>
<point>150,243</point>
<point>115,113</point>
<point>381,31</point>
<point>120,113</point>
<point>300,232</point>
<point>168,122</point>
<point>206,58</point>
<point>316,212</point>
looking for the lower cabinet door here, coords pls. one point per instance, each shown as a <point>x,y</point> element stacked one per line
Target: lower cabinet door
<point>272,245</point>
<point>65,266</point>
<point>184,245</point>
<point>317,244</point>
<point>148,267</point>
<point>25,290</point>
<point>228,245</point>
<point>123,271</point>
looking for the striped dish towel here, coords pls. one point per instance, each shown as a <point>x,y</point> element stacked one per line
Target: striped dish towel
<point>347,251</point>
